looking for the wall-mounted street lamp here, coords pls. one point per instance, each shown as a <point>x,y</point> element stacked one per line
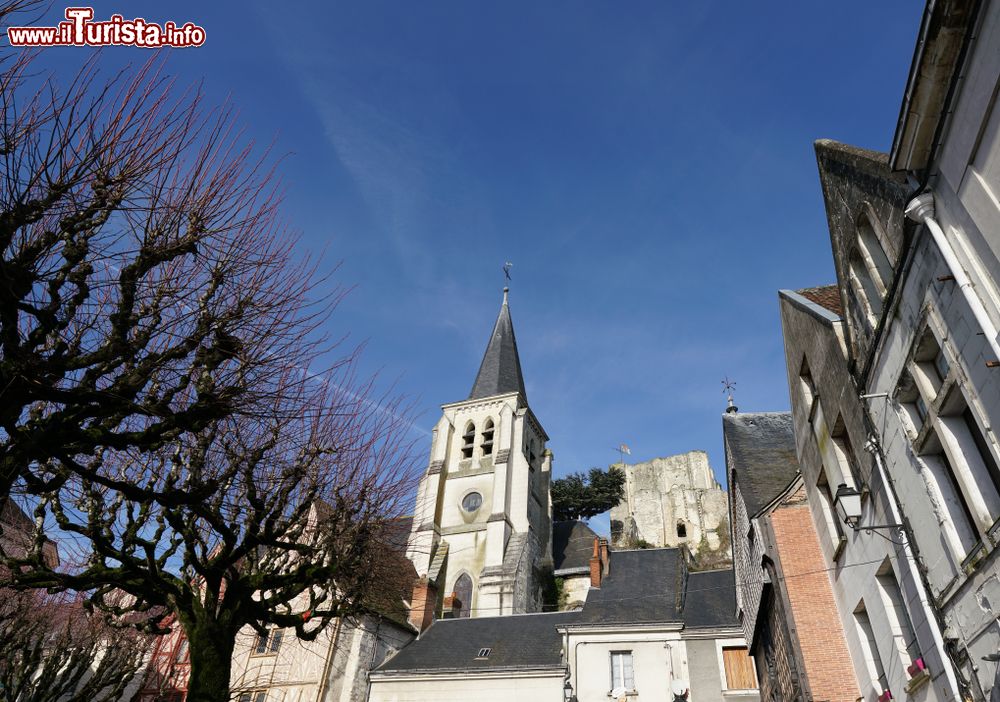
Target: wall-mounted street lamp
<point>847,502</point>
<point>568,691</point>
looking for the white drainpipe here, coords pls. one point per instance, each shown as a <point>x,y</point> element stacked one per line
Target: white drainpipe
<point>921,209</point>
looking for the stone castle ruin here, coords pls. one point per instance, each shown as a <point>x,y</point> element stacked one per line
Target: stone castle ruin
<point>673,501</point>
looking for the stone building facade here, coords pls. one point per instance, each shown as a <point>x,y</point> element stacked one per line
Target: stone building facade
<point>885,613</point>
<point>896,392</point>
<point>914,235</point>
<point>673,501</point>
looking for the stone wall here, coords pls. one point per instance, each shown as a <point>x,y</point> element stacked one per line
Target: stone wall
<point>673,501</point>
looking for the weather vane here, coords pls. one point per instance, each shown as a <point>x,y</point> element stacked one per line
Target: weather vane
<point>506,269</point>
<point>727,387</point>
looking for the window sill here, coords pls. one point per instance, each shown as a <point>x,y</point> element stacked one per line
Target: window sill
<point>917,681</point>
<point>628,693</point>
<point>751,692</point>
<point>976,554</point>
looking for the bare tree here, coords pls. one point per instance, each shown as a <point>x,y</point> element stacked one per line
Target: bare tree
<point>289,530</point>
<point>52,650</point>
<point>157,413</point>
<point>145,289</point>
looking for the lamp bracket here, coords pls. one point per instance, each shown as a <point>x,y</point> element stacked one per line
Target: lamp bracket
<point>873,527</point>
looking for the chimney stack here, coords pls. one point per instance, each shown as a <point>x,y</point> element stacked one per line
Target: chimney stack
<point>422,604</point>
<point>452,607</point>
<point>599,562</point>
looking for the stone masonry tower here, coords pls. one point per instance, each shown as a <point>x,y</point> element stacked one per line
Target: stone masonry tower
<point>481,538</point>
<point>673,501</point>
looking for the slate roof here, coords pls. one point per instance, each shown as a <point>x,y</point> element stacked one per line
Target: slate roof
<point>711,599</point>
<point>642,586</point>
<point>517,640</point>
<point>827,296</point>
<point>500,371</point>
<point>572,545</point>
<point>760,453</point>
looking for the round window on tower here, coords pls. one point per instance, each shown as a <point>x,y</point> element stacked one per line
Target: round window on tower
<point>472,502</point>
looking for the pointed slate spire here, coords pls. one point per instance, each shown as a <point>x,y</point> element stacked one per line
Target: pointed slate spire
<point>500,371</point>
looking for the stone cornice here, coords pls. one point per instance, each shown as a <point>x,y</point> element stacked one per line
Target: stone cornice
<point>484,403</point>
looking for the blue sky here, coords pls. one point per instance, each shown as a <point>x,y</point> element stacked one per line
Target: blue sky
<point>647,167</point>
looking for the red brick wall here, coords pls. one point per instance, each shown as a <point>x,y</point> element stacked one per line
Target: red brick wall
<point>828,666</point>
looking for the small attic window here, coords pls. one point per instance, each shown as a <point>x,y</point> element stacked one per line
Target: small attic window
<point>468,440</point>
<point>682,530</point>
<point>484,653</point>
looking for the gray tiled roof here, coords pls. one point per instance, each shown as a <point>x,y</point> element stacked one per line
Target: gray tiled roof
<point>760,455</point>
<point>572,545</point>
<point>642,586</point>
<point>711,599</point>
<point>500,371</point>
<point>516,640</point>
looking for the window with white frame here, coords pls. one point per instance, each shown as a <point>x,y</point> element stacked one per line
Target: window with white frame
<point>736,666</point>
<point>863,297</point>
<point>949,435</point>
<point>903,636</point>
<point>807,386</point>
<point>253,696</point>
<point>877,263</point>
<point>843,451</point>
<point>833,525</point>
<point>869,274</point>
<point>869,647</point>
<point>622,674</point>
<point>739,668</point>
<point>269,643</point>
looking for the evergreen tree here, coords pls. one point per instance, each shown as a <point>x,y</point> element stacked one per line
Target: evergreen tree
<point>581,496</point>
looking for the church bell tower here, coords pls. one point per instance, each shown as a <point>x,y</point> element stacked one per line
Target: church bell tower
<point>481,538</point>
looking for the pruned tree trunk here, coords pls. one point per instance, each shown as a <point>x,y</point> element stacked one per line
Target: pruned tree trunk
<point>211,646</point>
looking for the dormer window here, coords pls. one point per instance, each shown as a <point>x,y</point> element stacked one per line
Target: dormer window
<point>488,438</point>
<point>468,440</point>
<point>484,653</point>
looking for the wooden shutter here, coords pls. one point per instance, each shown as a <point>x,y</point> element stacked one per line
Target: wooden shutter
<point>739,668</point>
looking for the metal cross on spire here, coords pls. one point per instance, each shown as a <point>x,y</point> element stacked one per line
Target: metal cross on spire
<point>727,387</point>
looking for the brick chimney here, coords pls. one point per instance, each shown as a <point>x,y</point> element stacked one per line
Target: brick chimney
<point>452,606</point>
<point>422,604</point>
<point>600,562</point>
<point>596,567</point>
